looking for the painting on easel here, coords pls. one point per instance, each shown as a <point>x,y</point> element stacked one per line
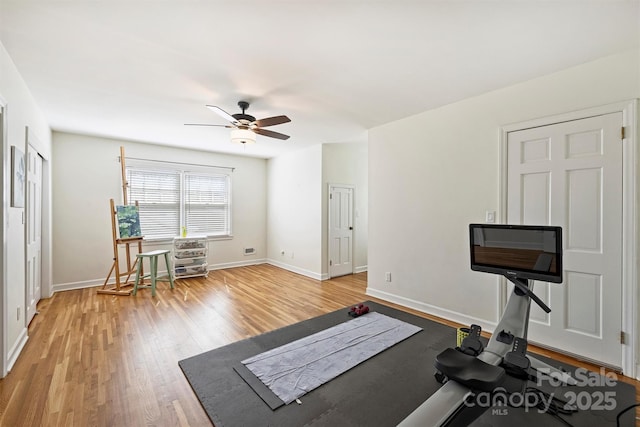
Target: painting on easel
<point>128,217</point>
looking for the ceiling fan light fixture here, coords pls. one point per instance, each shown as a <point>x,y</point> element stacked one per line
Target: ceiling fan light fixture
<point>243,136</point>
<point>245,127</point>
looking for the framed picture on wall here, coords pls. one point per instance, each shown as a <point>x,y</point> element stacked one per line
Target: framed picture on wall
<point>18,177</point>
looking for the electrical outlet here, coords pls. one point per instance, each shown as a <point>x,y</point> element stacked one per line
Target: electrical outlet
<point>387,277</point>
<point>18,314</point>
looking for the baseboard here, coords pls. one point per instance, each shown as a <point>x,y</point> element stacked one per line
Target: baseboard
<point>16,349</point>
<point>360,269</point>
<point>99,282</point>
<point>433,310</point>
<point>234,264</point>
<point>298,270</point>
<point>60,287</point>
<point>70,286</point>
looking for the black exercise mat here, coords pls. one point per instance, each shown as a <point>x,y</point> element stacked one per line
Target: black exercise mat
<point>269,397</point>
<point>379,392</point>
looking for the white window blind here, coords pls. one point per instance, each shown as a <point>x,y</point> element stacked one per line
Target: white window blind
<point>170,198</point>
<point>206,204</point>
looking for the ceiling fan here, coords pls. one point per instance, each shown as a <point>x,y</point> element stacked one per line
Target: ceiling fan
<point>245,127</point>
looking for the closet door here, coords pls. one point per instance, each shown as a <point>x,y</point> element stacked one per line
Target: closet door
<point>570,174</point>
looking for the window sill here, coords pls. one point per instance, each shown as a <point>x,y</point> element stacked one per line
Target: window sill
<point>169,240</point>
<point>226,237</point>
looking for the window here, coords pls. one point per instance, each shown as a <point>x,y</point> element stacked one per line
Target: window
<point>206,204</point>
<point>169,199</point>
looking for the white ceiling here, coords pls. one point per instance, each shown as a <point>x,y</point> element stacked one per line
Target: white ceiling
<point>138,70</point>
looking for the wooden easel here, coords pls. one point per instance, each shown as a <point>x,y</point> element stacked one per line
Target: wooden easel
<point>131,268</point>
<point>117,289</point>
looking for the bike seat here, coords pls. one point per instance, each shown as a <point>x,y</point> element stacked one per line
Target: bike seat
<point>469,370</point>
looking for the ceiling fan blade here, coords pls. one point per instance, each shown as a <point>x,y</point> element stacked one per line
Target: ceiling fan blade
<point>271,121</point>
<point>206,124</point>
<point>222,113</point>
<point>271,133</point>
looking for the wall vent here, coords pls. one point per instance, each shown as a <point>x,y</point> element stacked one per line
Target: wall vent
<point>249,251</point>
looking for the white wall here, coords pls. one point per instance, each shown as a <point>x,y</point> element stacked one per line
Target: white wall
<point>347,163</point>
<point>21,111</point>
<point>294,213</point>
<point>432,174</point>
<point>87,174</point>
<point>297,205</point>
<point>291,219</point>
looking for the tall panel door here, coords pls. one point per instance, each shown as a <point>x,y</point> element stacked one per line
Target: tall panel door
<point>570,174</point>
<point>34,231</point>
<point>340,230</point>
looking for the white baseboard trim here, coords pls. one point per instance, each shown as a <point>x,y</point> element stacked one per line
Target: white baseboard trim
<point>433,310</point>
<point>16,349</point>
<point>298,270</point>
<point>360,269</point>
<point>60,287</point>
<point>234,264</point>
<point>99,282</point>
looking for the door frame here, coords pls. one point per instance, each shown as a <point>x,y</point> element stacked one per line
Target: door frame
<point>630,187</point>
<point>46,267</point>
<point>353,234</point>
<point>32,144</point>
<point>4,158</point>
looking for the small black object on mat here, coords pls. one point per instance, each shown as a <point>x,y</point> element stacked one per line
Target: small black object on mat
<point>381,391</point>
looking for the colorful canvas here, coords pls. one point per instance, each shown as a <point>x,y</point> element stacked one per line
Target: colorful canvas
<point>128,221</point>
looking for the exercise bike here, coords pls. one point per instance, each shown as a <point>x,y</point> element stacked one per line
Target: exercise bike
<point>503,366</point>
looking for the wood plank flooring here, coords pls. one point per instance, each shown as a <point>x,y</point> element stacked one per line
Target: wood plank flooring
<point>102,360</point>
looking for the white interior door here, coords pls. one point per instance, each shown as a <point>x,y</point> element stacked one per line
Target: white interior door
<point>34,231</point>
<point>340,230</point>
<point>570,174</point>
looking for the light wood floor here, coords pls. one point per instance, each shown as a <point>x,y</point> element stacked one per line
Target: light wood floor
<point>102,360</point>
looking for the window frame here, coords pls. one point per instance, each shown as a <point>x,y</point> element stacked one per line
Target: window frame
<point>181,170</point>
